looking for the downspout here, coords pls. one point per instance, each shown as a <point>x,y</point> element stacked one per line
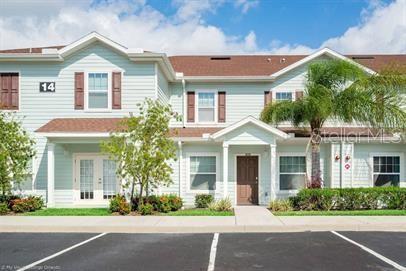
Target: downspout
<point>183,101</point>
<point>180,167</point>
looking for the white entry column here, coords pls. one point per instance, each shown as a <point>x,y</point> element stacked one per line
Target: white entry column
<point>225,169</point>
<point>272,155</point>
<point>51,174</point>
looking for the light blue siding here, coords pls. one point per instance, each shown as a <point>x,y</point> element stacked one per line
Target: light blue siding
<point>138,82</point>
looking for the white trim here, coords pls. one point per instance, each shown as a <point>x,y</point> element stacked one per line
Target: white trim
<point>215,92</point>
<point>98,190</point>
<point>249,119</point>
<point>401,165</point>
<point>259,175</point>
<point>50,174</point>
<point>188,181</point>
<point>324,51</point>
<point>284,154</point>
<point>265,78</point>
<point>89,39</point>
<point>19,90</point>
<point>156,82</point>
<point>72,135</point>
<point>109,73</point>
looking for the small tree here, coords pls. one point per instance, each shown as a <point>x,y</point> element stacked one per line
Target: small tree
<point>142,148</point>
<point>16,151</point>
<point>341,91</point>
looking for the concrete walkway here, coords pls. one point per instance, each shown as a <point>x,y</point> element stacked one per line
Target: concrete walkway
<point>246,219</point>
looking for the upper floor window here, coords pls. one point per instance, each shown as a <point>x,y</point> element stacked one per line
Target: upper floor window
<point>283,96</point>
<point>206,107</point>
<point>98,91</point>
<point>292,172</point>
<point>386,170</point>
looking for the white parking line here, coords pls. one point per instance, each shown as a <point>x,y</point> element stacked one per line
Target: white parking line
<point>61,252</point>
<point>379,256</point>
<point>213,252</point>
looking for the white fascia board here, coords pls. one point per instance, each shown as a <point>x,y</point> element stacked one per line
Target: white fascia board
<point>30,57</point>
<point>250,119</point>
<point>73,135</point>
<point>227,78</point>
<point>88,39</point>
<point>161,59</point>
<point>324,51</point>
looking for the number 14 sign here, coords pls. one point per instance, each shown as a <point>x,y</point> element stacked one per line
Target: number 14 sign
<point>47,87</point>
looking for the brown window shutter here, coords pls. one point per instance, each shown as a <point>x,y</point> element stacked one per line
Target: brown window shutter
<point>9,91</point>
<point>222,106</point>
<point>14,91</point>
<point>299,95</point>
<point>190,106</point>
<point>267,97</point>
<point>116,90</point>
<point>79,90</point>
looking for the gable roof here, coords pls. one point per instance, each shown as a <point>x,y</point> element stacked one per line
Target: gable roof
<point>254,121</point>
<point>242,67</point>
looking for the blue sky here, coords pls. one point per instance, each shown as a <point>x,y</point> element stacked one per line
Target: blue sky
<point>308,22</point>
<point>211,26</point>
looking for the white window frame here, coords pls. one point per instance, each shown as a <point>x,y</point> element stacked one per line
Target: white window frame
<point>189,181</point>
<point>215,106</point>
<point>401,166</point>
<point>86,98</point>
<point>291,92</point>
<point>289,154</point>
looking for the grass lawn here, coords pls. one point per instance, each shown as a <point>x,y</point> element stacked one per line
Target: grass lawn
<point>70,212</point>
<point>343,213</point>
<point>199,212</point>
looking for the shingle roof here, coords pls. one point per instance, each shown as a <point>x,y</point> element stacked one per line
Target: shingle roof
<point>264,65</point>
<point>107,125</point>
<point>246,65</point>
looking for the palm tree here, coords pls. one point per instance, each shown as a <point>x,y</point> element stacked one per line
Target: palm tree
<point>341,91</point>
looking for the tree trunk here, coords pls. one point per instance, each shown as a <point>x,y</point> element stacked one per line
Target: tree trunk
<point>316,181</point>
<point>132,192</point>
<point>140,199</point>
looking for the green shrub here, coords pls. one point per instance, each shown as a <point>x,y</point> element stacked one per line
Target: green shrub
<point>203,200</point>
<point>221,205</point>
<point>29,204</point>
<point>350,198</point>
<point>175,202</point>
<point>4,208</point>
<point>164,205</point>
<point>8,199</point>
<point>119,204</point>
<point>146,209</point>
<point>280,205</point>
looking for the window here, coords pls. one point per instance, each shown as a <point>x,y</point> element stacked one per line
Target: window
<point>206,106</point>
<point>386,170</point>
<point>284,96</point>
<point>98,91</point>
<point>292,171</point>
<point>203,172</point>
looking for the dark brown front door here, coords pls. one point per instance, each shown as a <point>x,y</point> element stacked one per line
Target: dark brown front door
<point>247,180</point>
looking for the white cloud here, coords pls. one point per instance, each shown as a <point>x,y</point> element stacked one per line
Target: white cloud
<point>134,23</point>
<point>383,30</point>
<point>246,4</point>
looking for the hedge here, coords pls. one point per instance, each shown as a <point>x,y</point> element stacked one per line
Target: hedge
<point>350,199</point>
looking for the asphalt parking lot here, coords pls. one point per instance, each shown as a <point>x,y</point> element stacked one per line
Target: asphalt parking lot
<point>224,251</point>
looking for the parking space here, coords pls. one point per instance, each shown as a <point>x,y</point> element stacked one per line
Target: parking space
<point>233,251</point>
<point>20,249</point>
<point>292,251</point>
<point>390,244</point>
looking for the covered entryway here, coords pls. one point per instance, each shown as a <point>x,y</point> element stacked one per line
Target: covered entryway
<point>247,180</point>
